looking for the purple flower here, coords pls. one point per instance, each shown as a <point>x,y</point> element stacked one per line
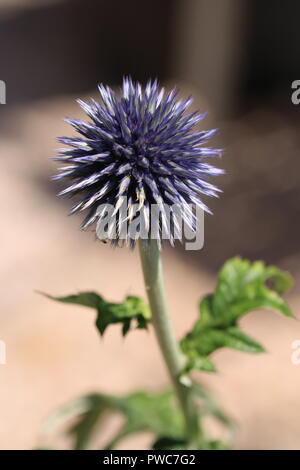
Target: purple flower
<point>138,148</point>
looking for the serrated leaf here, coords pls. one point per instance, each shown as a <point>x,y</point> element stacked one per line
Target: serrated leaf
<point>132,309</point>
<point>242,286</point>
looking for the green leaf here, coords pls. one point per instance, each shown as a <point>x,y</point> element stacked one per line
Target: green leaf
<point>156,413</point>
<point>141,411</point>
<point>132,309</point>
<point>88,408</point>
<point>86,299</point>
<point>84,428</point>
<point>195,359</point>
<point>242,286</point>
<point>204,343</point>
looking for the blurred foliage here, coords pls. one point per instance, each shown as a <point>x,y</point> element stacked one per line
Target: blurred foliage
<point>241,287</point>
<point>141,411</point>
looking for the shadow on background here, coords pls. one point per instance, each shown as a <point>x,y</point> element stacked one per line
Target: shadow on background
<point>70,46</point>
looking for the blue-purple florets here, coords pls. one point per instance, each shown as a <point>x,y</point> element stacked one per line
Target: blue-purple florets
<point>139,146</point>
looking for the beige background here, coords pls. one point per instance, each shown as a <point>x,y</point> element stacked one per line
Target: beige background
<point>54,353</point>
<point>238,58</point>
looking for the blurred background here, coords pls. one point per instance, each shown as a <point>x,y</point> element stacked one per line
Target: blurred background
<point>238,58</point>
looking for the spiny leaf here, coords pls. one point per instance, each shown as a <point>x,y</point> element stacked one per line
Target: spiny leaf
<point>242,286</point>
<point>132,309</point>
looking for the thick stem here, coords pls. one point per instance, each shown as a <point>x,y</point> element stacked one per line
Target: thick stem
<point>174,359</point>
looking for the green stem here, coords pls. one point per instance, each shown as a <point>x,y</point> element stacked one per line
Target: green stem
<point>161,320</point>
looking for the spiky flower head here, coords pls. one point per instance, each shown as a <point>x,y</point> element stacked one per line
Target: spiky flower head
<point>140,149</point>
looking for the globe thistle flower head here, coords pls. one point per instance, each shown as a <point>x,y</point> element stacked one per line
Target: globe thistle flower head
<point>137,151</point>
